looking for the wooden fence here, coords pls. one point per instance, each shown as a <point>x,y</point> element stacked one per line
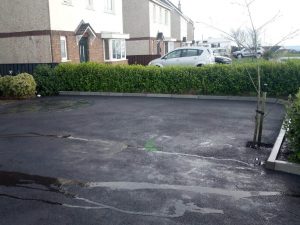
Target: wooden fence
<point>14,69</point>
<point>141,59</point>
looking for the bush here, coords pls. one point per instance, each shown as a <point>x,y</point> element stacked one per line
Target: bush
<point>45,80</point>
<point>282,79</point>
<point>292,126</point>
<point>20,86</point>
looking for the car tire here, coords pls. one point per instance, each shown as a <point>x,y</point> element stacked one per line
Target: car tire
<point>199,65</point>
<point>239,56</point>
<point>258,56</point>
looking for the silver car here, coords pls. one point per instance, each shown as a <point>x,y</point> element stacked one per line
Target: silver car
<point>186,56</point>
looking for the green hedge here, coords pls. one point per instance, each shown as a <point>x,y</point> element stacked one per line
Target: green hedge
<point>282,79</point>
<point>20,86</point>
<point>292,126</point>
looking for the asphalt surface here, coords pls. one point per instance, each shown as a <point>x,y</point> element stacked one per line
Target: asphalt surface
<point>122,161</point>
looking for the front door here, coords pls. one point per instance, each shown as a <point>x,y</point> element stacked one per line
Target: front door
<point>84,49</point>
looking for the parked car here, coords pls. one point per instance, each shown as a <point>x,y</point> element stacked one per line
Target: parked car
<point>221,52</point>
<point>222,59</point>
<point>186,56</point>
<point>248,52</point>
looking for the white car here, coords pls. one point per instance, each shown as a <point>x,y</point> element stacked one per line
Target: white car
<point>186,56</point>
<point>249,52</point>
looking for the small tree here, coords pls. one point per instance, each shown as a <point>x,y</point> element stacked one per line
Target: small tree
<point>250,38</point>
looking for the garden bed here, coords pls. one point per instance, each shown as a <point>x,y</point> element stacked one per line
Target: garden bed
<point>279,156</point>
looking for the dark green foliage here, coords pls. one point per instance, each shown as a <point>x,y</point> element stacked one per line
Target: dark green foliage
<point>47,82</point>
<point>292,126</point>
<point>20,86</point>
<point>282,79</point>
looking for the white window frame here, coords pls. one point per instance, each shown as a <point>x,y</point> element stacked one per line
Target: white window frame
<point>111,50</point>
<point>166,17</point>
<point>63,55</point>
<point>154,13</point>
<point>109,6</point>
<point>90,4</point>
<point>161,15</point>
<point>67,2</point>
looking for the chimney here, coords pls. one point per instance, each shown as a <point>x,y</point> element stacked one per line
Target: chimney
<point>179,5</point>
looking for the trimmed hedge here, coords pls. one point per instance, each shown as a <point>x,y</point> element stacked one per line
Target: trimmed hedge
<point>20,86</point>
<point>282,79</point>
<point>292,125</point>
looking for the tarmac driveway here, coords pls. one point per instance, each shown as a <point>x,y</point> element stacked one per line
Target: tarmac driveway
<point>121,161</point>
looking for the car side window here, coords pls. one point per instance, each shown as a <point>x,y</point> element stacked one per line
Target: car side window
<point>172,55</point>
<point>199,52</point>
<point>191,52</point>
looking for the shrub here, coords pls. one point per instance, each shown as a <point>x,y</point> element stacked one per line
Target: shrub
<point>292,126</point>
<point>46,81</point>
<point>282,79</point>
<point>20,86</point>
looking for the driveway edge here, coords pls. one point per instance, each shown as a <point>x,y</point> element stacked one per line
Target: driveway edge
<point>200,97</point>
<point>279,165</point>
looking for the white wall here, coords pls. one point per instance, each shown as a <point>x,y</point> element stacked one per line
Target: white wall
<point>183,27</point>
<point>156,25</point>
<point>67,18</point>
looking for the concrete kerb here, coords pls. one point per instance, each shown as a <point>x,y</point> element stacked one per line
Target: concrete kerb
<point>278,165</point>
<point>200,97</point>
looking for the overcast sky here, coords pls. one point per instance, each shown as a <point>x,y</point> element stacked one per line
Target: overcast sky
<point>228,14</point>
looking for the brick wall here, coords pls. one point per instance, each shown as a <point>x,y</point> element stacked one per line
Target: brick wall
<point>96,53</point>
<point>55,47</point>
<point>153,47</point>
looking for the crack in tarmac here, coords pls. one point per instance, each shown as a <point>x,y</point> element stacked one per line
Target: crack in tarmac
<point>70,137</point>
<point>195,156</point>
<point>173,209</point>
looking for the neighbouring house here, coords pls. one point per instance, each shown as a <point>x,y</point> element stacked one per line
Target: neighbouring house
<point>54,31</point>
<point>155,27</point>
<point>218,44</point>
<point>182,27</point>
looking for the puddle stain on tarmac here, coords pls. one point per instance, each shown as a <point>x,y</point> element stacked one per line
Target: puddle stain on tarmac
<point>174,209</point>
<point>22,180</point>
<point>134,186</point>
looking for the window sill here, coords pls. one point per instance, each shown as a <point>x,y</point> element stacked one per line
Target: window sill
<point>91,8</point>
<point>65,60</point>
<point>67,4</point>
<point>115,60</point>
<point>109,12</point>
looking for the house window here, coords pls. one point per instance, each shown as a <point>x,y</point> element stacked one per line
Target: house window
<point>115,49</point>
<point>109,6</point>
<point>67,2</point>
<point>166,17</point>
<point>63,48</point>
<point>154,14</point>
<point>106,49</point>
<point>161,16</point>
<point>90,4</point>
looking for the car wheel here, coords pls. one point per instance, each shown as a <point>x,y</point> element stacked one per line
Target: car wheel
<point>199,65</point>
<point>239,56</point>
<point>258,56</point>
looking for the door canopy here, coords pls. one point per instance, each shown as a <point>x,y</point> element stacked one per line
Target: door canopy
<point>85,30</point>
